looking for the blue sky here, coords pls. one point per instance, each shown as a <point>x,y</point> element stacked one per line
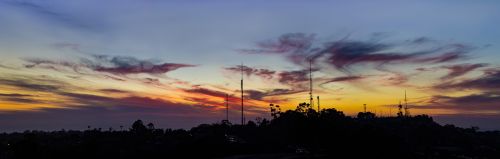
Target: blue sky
<point>209,36</point>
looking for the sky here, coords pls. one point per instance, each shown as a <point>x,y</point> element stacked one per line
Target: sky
<point>104,64</point>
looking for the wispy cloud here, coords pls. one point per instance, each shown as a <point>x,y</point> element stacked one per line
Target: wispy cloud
<point>260,72</point>
<point>14,95</point>
<point>487,101</point>
<point>131,65</point>
<point>293,78</point>
<point>343,54</point>
<point>68,101</point>
<point>205,91</point>
<point>118,65</point>
<point>287,43</point>
<point>344,79</point>
<point>490,80</point>
<point>18,98</point>
<point>110,90</point>
<point>30,85</point>
<point>421,40</point>
<point>259,95</point>
<point>461,69</point>
<point>52,14</point>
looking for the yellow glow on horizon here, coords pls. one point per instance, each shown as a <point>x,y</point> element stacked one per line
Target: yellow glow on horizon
<point>380,95</point>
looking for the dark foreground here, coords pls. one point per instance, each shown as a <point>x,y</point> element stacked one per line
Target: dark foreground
<point>292,134</point>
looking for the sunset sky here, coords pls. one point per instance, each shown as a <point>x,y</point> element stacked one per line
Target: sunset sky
<point>70,64</point>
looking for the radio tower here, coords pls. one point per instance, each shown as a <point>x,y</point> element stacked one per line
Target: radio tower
<point>242,113</point>
<point>311,104</point>
<point>407,112</point>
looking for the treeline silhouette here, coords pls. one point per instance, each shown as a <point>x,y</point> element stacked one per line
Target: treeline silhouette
<point>300,133</point>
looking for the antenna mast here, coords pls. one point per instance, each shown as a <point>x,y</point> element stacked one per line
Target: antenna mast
<point>227,107</point>
<point>364,107</point>
<point>407,112</point>
<point>311,104</point>
<point>242,113</point>
<point>400,112</point>
<point>318,104</point>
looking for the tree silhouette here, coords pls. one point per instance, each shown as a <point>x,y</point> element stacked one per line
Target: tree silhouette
<point>138,127</point>
<point>300,133</point>
<point>275,110</point>
<point>151,126</point>
<point>303,107</point>
<point>366,115</point>
<point>332,113</point>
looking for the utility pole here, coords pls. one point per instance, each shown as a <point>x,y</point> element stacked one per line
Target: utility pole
<point>364,106</point>
<point>242,110</point>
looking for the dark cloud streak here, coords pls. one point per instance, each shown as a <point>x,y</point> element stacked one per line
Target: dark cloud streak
<point>259,95</point>
<point>50,13</point>
<point>459,70</point>
<point>29,85</point>
<point>293,77</point>
<point>488,101</point>
<point>118,65</point>
<point>343,54</point>
<point>260,72</point>
<point>18,98</point>
<point>344,79</point>
<point>208,92</point>
<point>490,80</point>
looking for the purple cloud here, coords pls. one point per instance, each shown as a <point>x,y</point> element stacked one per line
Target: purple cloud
<point>490,80</point>
<point>32,85</point>
<point>292,42</point>
<point>343,79</point>
<point>259,95</point>
<point>260,72</point>
<point>459,70</point>
<point>421,40</point>
<point>119,65</point>
<point>129,65</point>
<point>143,68</point>
<point>18,98</point>
<point>207,92</point>
<point>341,55</point>
<point>293,77</point>
<point>110,90</point>
<point>475,102</point>
<point>95,109</point>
